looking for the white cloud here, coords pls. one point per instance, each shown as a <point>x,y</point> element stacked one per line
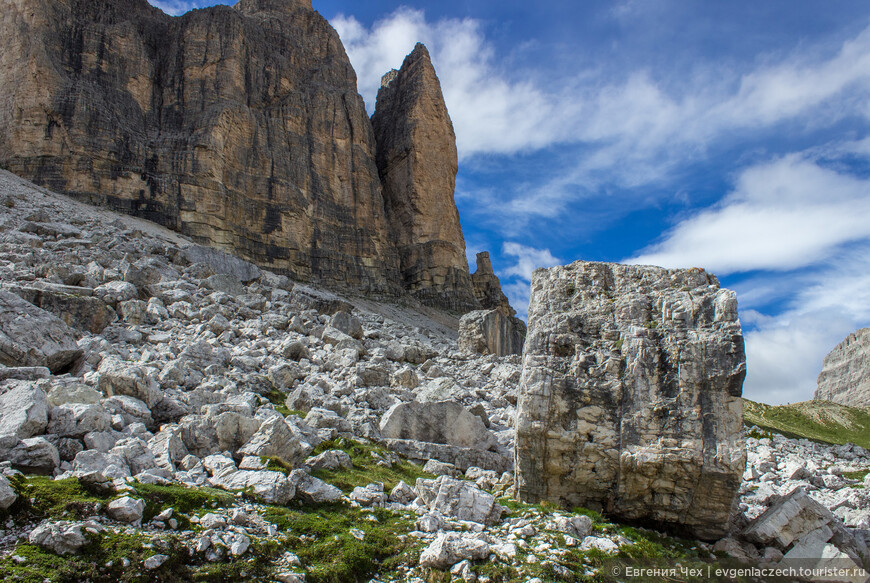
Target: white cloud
<point>628,129</point>
<point>174,7</point>
<point>516,279</point>
<point>490,113</point>
<point>528,259</point>
<point>785,352</point>
<point>782,215</point>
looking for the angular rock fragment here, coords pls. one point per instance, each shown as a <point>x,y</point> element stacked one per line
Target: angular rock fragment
<point>30,336</point>
<point>491,332</point>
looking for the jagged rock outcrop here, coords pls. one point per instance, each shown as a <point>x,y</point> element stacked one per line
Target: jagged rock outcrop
<point>487,287</point>
<point>417,161</point>
<point>630,395</point>
<point>239,126</point>
<point>845,376</point>
<point>491,332</point>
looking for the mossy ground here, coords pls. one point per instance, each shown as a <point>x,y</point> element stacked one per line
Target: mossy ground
<point>366,467</point>
<point>649,549</point>
<point>321,537</point>
<point>820,421</point>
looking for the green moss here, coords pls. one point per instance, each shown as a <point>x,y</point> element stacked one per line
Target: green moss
<point>182,500</point>
<point>820,421</point>
<point>366,468</point>
<point>321,537</point>
<point>44,497</point>
<point>651,325</point>
<point>102,559</point>
<point>859,475</point>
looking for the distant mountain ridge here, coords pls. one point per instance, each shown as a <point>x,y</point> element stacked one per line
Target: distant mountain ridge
<point>241,127</point>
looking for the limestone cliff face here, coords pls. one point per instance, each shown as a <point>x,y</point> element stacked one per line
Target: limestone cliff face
<point>845,376</point>
<point>240,126</point>
<point>417,161</point>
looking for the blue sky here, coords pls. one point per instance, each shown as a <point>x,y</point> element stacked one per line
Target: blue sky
<point>733,136</point>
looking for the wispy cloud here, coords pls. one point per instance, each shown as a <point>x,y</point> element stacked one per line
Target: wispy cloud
<point>784,214</point>
<point>625,129</point>
<point>785,352</point>
<point>516,278</point>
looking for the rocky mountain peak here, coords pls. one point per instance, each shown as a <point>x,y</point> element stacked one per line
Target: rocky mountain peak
<point>280,6</point>
<point>845,376</point>
<point>487,287</point>
<point>417,162</point>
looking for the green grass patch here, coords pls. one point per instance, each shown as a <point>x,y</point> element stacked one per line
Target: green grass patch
<point>61,499</point>
<point>366,468</point>
<point>321,537</point>
<point>820,421</point>
<point>182,500</point>
<point>859,475</point>
<point>102,559</point>
<point>278,398</point>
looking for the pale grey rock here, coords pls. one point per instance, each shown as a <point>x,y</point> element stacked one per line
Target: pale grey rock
<point>630,395</point>
<point>602,544</point>
<point>92,461</point>
<point>576,526</point>
<point>325,419</point>
<point>461,457</point>
<point>271,487</point>
<point>30,336</point>
<point>135,453</point>
<point>332,459</point>
<point>275,439</point>
<point>444,422</point>
<point>129,410</point>
<point>64,394</point>
<point>23,412</point>
<point>61,537</point>
<point>34,454</point>
<point>7,494</point>
<point>459,499</point>
<point>347,324</point>
<point>115,292</point>
<point>491,332</point>
<point>449,548</point>
<point>402,493</point>
<point>221,262</point>
<point>168,447</point>
<point>405,378</point>
<point>431,522</point>
<point>441,469</point>
<point>155,561</point>
<point>126,509</point>
<point>845,376</point>
<point>24,373</point>
<point>370,495</point>
<point>313,490</point>
<point>78,419</point>
<point>119,378</point>
<point>795,517</point>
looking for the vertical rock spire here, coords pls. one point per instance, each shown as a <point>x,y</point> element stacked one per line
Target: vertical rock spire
<point>417,162</point>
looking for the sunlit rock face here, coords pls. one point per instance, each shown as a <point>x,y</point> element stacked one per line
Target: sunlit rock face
<point>417,161</point>
<point>239,126</point>
<point>845,376</point>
